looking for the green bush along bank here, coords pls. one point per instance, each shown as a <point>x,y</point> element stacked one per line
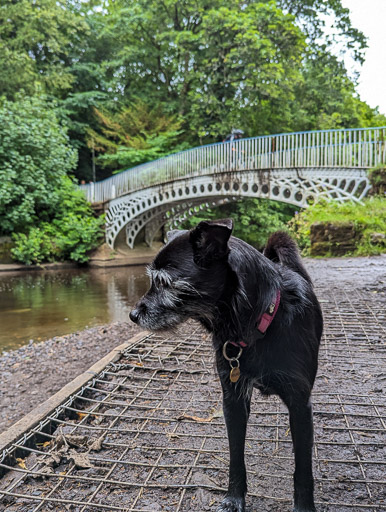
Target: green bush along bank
<point>364,223</point>
<point>48,219</point>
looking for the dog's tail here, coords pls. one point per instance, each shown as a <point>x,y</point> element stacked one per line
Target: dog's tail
<point>282,249</point>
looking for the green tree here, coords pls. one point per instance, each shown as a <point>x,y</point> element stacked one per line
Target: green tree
<point>39,205</point>
<point>90,88</point>
<point>35,154</point>
<point>134,135</point>
<point>266,66</point>
<point>39,41</point>
<point>210,62</point>
<point>326,98</point>
<point>311,16</point>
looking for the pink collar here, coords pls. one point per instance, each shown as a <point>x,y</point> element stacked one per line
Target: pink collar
<point>264,321</point>
<point>269,315</point>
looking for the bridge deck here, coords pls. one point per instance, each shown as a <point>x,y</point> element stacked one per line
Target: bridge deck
<point>360,148</point>
<point>146,433</point>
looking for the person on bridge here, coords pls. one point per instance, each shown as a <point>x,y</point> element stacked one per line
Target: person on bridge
<point>234,135</point>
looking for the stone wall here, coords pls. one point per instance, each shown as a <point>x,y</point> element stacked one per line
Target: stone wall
<point>337,239</point>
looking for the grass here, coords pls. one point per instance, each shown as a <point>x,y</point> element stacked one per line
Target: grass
<point>368,218</point>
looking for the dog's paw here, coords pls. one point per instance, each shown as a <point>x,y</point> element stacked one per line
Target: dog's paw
<point>230,504</point>
<point>306,509</point>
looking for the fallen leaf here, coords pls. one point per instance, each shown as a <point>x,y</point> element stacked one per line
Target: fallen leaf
<point>81,460</point>
<point>21,463</point>
<point>173,436</point>
<point>76,440</point>
<point>43,445</point>
<point>96,445</point>
<point>217,413</point>
<point>194,418</point>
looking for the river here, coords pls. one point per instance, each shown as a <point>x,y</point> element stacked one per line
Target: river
<point>40,305</point>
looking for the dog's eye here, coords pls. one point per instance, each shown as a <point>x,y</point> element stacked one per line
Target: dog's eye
<point>160,283</point>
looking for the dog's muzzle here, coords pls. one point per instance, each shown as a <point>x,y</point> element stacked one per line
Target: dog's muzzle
<point>134,315</point>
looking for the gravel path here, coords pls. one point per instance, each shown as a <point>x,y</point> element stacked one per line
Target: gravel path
<point>33,373</point>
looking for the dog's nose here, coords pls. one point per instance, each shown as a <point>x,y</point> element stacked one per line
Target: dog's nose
<point>134,315</point>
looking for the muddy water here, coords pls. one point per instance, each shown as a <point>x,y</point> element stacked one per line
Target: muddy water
<point>40,305</point>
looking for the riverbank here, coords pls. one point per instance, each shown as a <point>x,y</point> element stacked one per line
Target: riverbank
<point>31,374</point>
<point>103,257</point>
<point>34,372</point>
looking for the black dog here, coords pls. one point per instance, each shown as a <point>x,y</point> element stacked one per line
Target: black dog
<point>266,324</point>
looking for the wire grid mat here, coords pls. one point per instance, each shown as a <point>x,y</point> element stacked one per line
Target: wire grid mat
<point>147,434</point>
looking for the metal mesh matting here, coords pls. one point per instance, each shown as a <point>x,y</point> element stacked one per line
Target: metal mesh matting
<point>147,433</point>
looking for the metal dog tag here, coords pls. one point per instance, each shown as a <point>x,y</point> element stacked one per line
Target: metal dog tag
<point>234,374</point>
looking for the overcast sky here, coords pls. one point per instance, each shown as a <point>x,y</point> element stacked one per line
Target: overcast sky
<point>369,16</point>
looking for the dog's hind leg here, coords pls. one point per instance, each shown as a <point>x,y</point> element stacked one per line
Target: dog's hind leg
<point>236,407</point>
<point>300,412</point>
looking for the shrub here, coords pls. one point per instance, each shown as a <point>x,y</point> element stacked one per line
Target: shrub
<point>47,217</point>
<point>72,233</point>
<point>35,154</point>
<point>34,247</point>
<point>254,219</point>
<point>368,219</point>
<point>377,177</point>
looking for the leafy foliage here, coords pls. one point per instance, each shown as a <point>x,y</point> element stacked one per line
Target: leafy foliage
<point>369,218</point>
<point>254,219</point>
<point>377,177</point>
<point>210,62</point>
<point>71,234</point>
<point>139,80</point>
<point>311,15</point>
<point>37,41</point>
<point>326,99</point>
<point>35,155</point>
<point>266,66</point>
<point>134,135</point>
<point>222,65</point>
<point>39,205</point>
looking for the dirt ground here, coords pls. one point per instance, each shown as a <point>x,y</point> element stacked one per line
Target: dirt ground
<point>149,436</point>
<point>33,373</point>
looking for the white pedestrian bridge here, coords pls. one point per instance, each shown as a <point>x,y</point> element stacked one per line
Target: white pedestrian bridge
<point>296,168</point>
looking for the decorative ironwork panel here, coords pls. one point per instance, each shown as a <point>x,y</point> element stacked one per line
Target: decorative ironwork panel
<point>295,186</point>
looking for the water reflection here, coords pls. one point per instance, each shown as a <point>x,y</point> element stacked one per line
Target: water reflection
<point>40,305</point>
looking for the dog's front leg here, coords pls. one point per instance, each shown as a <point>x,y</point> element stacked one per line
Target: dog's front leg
<point>236,406</point>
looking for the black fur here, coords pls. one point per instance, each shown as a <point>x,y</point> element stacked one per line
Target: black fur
<point>227,285</point>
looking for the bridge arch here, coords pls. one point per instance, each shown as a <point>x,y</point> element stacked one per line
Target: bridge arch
<point>295,168</point>
<point>152,207</point>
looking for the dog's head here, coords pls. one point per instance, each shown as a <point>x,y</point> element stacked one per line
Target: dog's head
<point>187,277</point>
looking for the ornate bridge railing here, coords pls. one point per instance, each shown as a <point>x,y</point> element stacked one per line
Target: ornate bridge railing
<point>354,148</point>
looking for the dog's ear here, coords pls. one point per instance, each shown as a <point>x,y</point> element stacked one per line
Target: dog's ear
<point>170,235</point>
<point>210,240</point>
